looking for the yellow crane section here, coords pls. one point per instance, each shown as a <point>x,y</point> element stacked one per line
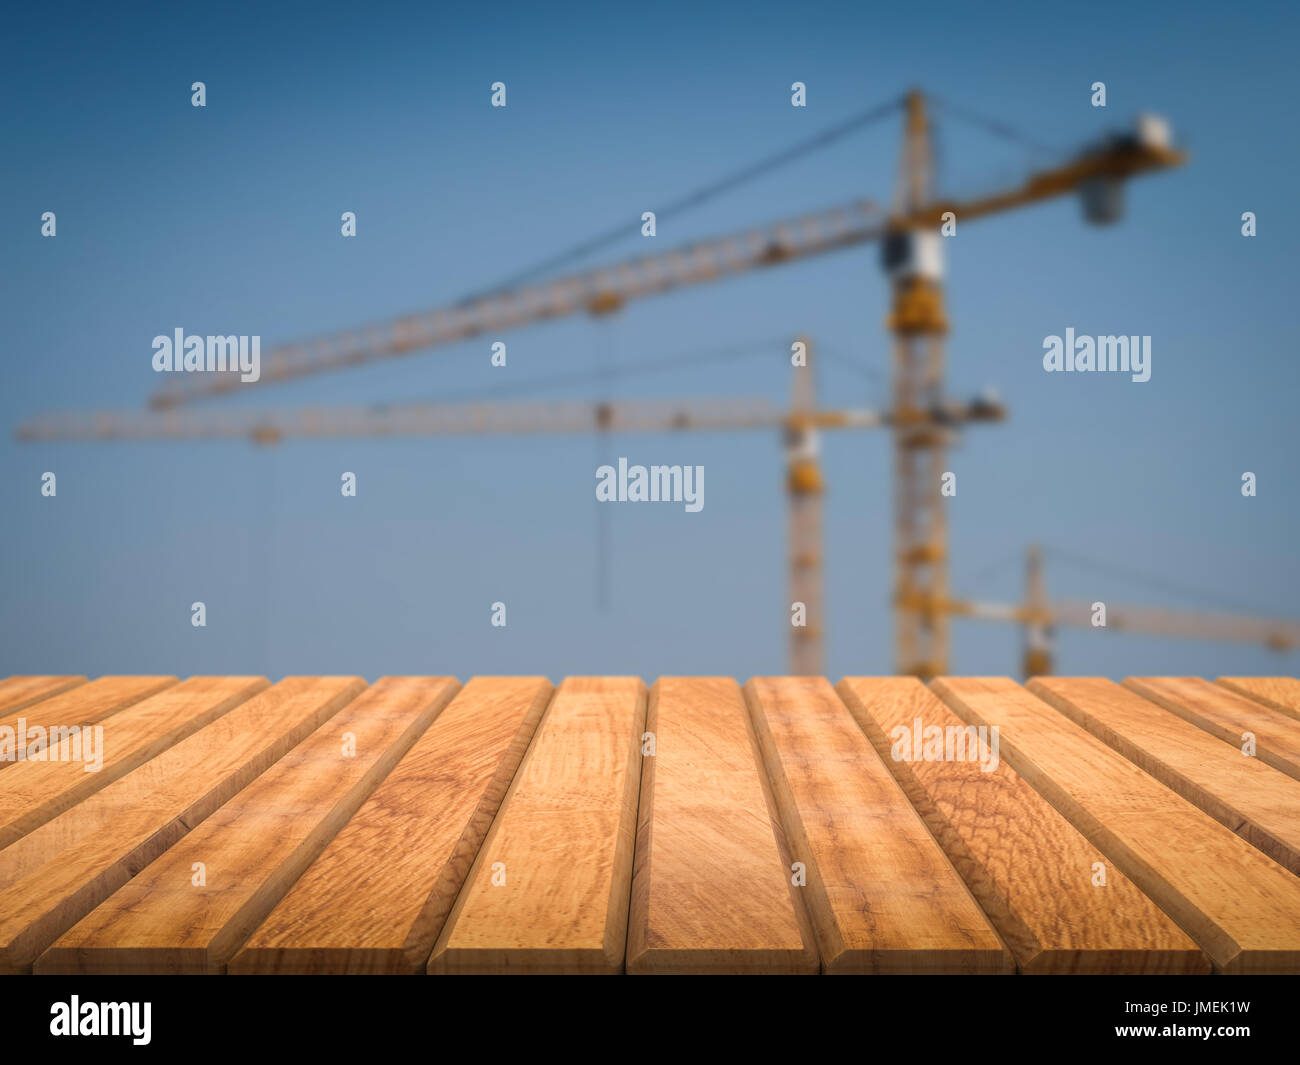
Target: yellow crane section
<point>799,425</point>
<point>1039,617</point>
<point>920,417</point>
<point>440,419</point>
<point>913,260</point>
<point>1098,170</point>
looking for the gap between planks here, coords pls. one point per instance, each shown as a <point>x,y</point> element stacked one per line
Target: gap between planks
<point>1032,872</point>
<point>1249,956</point>
<point>1242,793</point>
<point>711,889</point>
<point>549,890</point>
<point>48,702</point>
<point>59,872</point>
<point>252,849</point>
<point>882,894</point>
<point>35,791</point>
<point>364,906</point>
<point>1241,907</point>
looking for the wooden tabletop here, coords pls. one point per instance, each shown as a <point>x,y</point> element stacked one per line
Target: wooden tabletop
<point>324,825</point>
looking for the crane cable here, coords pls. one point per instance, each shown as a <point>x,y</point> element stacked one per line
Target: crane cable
<point>1169,587</point>
<point>1198,595</point>
<point>731,181</point>
<point>749,173</point>
<point>994,126</point>
<point>604,375</point>
<point>995,567</point>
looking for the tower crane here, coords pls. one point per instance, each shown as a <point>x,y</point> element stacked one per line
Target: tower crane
<point>921,418</point>
<point>1040,618</point>
<point>800,426</point>
<point>1098,171</point>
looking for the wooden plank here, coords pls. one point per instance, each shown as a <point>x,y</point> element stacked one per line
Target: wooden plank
<point>882,895</point>
<point>711,889</point>
<point>1031,871</point>
<point>36,791</point>
<point>549,889</point>
<point>1257,802</point>
<point>1280,693</point>
<point>372,904</point>
<point>254,847</point>
<point>1238,904</point>
<point>59,872</point>
<point>1228,716</point>
<point>77,704</point>
<point>18,693</point>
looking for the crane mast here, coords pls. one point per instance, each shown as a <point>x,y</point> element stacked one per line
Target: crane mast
<point>804,489</point>
<point>911,258</point>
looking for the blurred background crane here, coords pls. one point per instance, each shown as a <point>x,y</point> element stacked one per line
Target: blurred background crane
<point>921,417</point>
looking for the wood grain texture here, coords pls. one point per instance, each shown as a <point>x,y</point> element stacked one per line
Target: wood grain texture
<point>563,841</point>
<point>881,893</point>
<point>711,890</point>
<point>254,847</point>
<point>59,872</point>
<point>1280,693</point>
<point>1254,800</point>
<point>1029,869</point>
<point>71,704</point>
<point>18,693</point>
<point>35,791</point>
<point>1228,716</point>
<point>1238,904</point>
<point>377,897</point>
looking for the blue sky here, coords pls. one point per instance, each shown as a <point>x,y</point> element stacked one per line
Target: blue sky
<point>225,220</point>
